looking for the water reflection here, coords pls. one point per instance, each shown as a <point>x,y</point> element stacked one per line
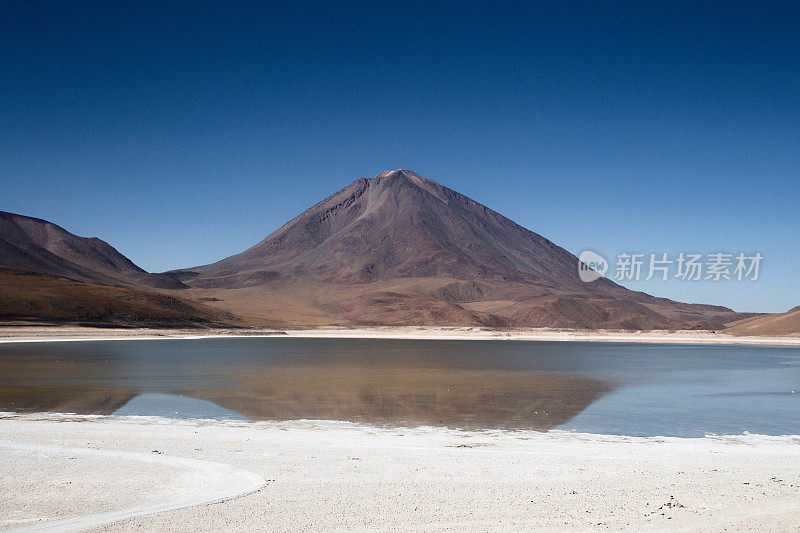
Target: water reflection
<point>63,398</point>
<point>391,382</point>
<point>605,388</point>
<point>461,398</point>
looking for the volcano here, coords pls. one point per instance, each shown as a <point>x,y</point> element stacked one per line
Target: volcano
<point>400,249</point>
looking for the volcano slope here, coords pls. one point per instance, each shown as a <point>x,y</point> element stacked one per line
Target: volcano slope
<point>400,249</point>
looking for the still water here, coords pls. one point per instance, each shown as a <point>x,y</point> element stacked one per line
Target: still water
<point>628,389</point>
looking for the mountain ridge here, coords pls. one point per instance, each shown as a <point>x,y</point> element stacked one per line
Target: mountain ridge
<point>394,249</point>
<point>42,246</point>
<point>399,248</point>
<point>48,274</point>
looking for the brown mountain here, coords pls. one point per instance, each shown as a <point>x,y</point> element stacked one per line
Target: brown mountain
<point>402,249</point>
<point>49,274</point>
<point>778,324</point>
<point>41,246</point>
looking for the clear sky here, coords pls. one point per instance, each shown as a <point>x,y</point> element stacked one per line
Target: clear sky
<point>184,133</point>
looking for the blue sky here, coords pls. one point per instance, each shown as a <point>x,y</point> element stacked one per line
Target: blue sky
<point>184,133</point>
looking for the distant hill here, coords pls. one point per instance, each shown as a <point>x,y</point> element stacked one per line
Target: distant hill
<point>47,274</point>
<point>400,249</point>
<point>779,324</point>
<point>41,246</point>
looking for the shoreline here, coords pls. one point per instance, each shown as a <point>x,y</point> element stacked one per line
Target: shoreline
<point>14,334</point>
<point>340,475</point>
<point>746,438</point>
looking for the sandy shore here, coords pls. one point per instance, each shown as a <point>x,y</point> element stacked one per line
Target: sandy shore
<point>116,474</point>
<point>44,333</point>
